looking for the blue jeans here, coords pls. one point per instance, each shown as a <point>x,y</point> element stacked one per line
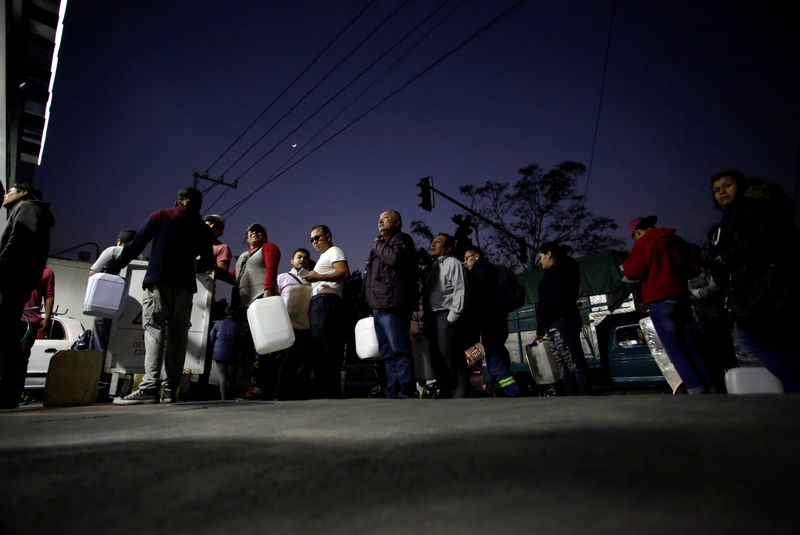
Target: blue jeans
<point>392,327</point>
<point>766,345</point>
<point>672,319</point>
<point>327,343</point>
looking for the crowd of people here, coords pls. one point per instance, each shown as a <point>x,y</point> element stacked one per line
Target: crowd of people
<point>747,287</point>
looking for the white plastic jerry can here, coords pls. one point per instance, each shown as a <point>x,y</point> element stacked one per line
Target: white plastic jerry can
<point>543,363</point>
<point>752,380</point>
<point>366,340</point>
<point>270,325</point>
<point>105,295</point>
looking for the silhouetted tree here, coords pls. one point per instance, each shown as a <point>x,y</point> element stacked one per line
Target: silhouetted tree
<point>538,207</point>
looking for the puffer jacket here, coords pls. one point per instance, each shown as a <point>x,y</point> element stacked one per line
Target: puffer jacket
<point>757,242</point>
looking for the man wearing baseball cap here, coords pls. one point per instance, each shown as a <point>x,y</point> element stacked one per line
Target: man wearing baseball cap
<point>181,248</point>
<point>664,262</point>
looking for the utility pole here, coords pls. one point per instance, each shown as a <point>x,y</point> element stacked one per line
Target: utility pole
<point>426,192</point>
<point>220,180</point>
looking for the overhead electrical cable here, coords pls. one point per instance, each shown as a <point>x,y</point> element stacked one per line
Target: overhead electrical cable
<point>342,89</point>
<point>325,77</point>
<point>600,103</point>
<point>452,51</point>
<point>296,78</point>
<point>330,72</point>
<point>405,54</point>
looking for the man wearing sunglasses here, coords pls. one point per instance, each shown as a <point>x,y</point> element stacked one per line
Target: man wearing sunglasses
<point>325,312</point>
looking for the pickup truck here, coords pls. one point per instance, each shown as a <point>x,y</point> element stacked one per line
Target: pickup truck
<point>616,351</point>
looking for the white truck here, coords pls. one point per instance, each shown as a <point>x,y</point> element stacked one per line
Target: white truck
<point>125,355</point>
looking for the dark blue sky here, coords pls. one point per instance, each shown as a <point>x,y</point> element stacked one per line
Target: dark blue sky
<point>149,92</point>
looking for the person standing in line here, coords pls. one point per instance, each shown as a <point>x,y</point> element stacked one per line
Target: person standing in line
<point>36,324</point>
<point>755,247</point>
<point>488,318</point>
<point>224,343</point>
<point>256,276</point>
<point>222,253</point>
<point>301,260</point>
<point>222,262</point>
<point>444,301</point>
<point>42,298</point>
<point>325,312</point>
<point>101,329</point>
<point>179,237</point>
<point>24,245</point>
<point>391,286</point>
<point>558,318</point>
<point>296,366</point>
<point>664,263</point>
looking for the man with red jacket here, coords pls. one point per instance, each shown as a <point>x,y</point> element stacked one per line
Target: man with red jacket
<point>664,262</point>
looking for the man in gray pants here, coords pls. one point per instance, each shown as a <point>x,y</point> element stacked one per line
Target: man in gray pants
<point>181,247</point>
<point>444,298</point>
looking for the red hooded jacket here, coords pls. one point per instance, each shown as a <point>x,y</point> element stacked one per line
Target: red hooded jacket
<point>664,262</point>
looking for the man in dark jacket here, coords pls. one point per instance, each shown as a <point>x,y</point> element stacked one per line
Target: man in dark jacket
<point>24,245</point>
<point>488,319</point>
<point>391,284</point>
<point>179,237</point>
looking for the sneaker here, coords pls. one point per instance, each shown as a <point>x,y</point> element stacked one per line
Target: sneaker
<point>168,395</point>
<point>429,391</point>
<point>253,393</point>
<point>139,397</point>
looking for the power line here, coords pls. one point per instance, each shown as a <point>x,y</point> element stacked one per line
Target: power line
<point>296,78</point>
<point>380,76</point>
<point>325,77</point>
<point>600,103</point>
<point>343,88</point>
<point>380,25</point>
<point>452,51</point>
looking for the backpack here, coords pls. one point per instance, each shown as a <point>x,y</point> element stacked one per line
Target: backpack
<point>510,293</point>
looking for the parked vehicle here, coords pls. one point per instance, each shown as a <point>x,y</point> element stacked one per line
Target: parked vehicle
<point>125,356</point>
<point>627,358</point>
<point>616,351</point>
<point>62,333</point>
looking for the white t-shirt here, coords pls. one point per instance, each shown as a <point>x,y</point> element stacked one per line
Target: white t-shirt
<point>325,267</point>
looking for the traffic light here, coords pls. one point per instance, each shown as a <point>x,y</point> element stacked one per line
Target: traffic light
<point>425,193</point>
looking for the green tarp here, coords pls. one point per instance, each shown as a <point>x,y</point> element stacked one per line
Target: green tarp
<point>600,274</point>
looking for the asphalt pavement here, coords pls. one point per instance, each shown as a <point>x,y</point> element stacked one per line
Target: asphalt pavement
<point>604,464</point>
